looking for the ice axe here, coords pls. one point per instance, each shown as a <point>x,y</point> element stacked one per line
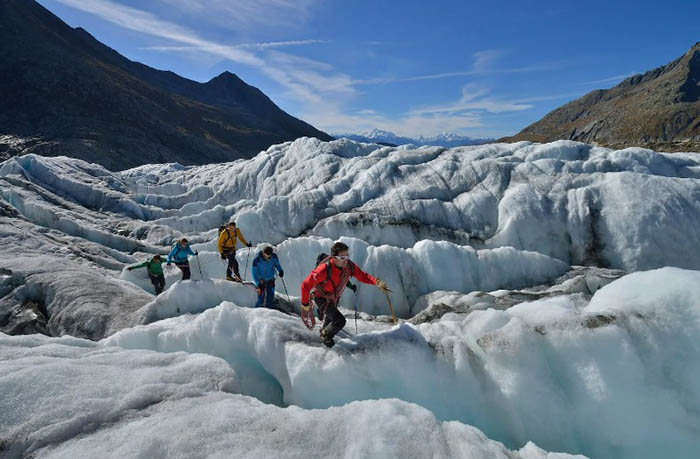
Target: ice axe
<point>391,308</point>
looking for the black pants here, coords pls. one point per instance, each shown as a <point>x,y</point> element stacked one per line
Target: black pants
<point>158,281</point>
<point>185,268</point>
<point>232,263</point>
<point>333,320</point>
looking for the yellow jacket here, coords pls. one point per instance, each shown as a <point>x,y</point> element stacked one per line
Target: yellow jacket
<point>228,241</point>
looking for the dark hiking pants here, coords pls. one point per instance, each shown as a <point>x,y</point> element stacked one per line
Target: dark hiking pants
<point>266,294</point>
<point>333,319</point>
<point>232,263</point>
<point>158,281</point>
<point>185,268</point>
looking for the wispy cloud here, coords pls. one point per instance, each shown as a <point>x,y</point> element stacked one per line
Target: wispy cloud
<point>248,14</point>
<point>612,79</point>
<point>263,45</point>
<point>484,60</point>
<point>484,64</point>
<point>280,44</point>
<point>307,80</point>
<point>473,98</point>
<point>529,100</point>
<point>146,23</point>
<point>467,113</point>
<point>332,120</point>
<point>320,90</point>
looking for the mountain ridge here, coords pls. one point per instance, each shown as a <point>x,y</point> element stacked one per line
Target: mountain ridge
<point>65,93</point>
<point>657,109</point>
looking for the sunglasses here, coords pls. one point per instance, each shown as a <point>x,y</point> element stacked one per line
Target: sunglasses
<point>341,257</point>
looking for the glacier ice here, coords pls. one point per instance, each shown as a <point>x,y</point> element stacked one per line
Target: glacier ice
<point>67,397</point>
<point>569,374</point>
<point>507,264</point>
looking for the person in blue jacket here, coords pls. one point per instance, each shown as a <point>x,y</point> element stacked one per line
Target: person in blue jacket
<point>179,254</point>
<point>264,266</point>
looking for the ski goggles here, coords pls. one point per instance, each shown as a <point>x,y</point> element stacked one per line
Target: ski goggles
<point>341,257</point>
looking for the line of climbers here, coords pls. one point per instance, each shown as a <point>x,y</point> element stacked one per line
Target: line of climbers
<point>323,287</point>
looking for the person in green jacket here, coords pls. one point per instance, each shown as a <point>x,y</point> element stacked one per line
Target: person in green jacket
<point>154,266</point>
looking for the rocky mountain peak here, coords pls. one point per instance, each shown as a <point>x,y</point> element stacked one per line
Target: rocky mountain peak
<point>658,109</point>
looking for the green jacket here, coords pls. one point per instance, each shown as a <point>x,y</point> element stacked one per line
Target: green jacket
<point>153,268</point>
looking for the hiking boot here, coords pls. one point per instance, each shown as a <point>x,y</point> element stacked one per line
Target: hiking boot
<point>327,340</point>
<point>229,278</point>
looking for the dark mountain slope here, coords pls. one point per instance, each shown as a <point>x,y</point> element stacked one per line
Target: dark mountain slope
<point>71,95</point>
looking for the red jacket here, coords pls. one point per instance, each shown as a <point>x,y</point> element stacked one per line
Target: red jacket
<point>334,286</point>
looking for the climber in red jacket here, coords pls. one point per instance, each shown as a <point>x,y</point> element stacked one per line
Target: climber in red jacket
<point>326,284</point>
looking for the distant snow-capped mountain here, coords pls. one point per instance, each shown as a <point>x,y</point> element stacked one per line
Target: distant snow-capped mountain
<point>386,137</point>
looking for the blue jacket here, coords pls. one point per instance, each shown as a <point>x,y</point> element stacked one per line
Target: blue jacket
<point>179,254</point>
<point>264,270</point>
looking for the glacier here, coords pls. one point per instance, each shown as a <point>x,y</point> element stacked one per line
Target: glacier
<point>547,297</point>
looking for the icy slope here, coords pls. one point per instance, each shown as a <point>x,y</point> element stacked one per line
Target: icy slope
<point>565,199</point>
<point>478,244</point>
<point>425,219</point>
<point>74,398</point>
<point>583,377</point>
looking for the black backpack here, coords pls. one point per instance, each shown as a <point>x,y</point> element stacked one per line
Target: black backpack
<point>321,256</point>
<point>319,259</point>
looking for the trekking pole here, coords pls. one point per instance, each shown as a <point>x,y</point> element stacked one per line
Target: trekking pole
<point>245,273</point>
<point>199,266</point>
<point>285,289</point>
<point>357,299</point>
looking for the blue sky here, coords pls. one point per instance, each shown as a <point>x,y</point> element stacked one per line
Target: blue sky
<point>483,69</point>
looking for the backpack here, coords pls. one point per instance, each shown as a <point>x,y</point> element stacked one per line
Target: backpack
<point>178,249</point>
<point>319,259</point>
<point>228,234</point>
<point>321,256</point>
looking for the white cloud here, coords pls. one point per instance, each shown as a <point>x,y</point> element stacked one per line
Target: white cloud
<point>484,60</point>
<point>264,45</point>
<point>483,65</point>
<point>473,98</point>
<point>144,22</point>
<point>248,14</point>
<point>321,92</point>
<point>308,80</point>
<point>279,44</point>
<point>332,120</point>
<point>612,79</point>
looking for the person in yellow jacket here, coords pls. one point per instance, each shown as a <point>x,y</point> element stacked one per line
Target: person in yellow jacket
<point>227,248</point>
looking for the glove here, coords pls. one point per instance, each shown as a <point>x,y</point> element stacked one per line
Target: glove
<point>381,285</point>
<point>223,257</point>
<point>250,244</point>
<point>261,285</point>
<point>281,273</point>
<point>196,253</point>
<point>353,287</point>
